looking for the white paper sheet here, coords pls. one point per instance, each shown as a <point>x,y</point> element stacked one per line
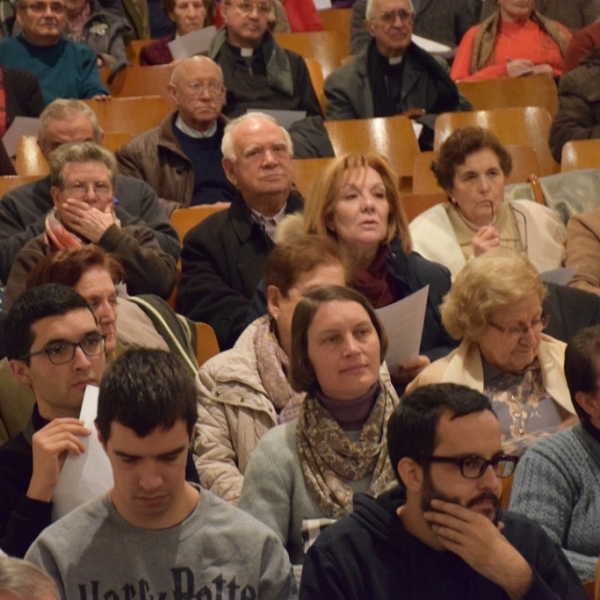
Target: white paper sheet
<point>18,128</point>
<point>403,322</point>
<point>430,45</point>
<point>192,43</point>
<point>85,476</point>
<point>560,276</point>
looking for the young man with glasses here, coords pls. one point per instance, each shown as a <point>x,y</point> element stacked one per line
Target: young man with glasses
<point>54,346</point>
<point>440,534</point>
<point>64,68</point>
<point>259,74</point>
<point>392,75</point>
<point>181,158</point>
<point>82,177</point>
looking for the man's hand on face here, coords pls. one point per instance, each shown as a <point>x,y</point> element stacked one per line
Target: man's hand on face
<point>50,446</point>
<point>86,220</point>
<point>474,537</point>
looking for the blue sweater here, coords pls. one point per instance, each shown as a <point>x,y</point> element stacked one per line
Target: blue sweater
<point>557,483</point>
<point>66,70</point>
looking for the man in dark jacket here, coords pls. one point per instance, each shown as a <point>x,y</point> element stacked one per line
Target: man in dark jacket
<point>23,210</point>
<point>223,257</point>
<point>392,75</point>
<point>442,535</point>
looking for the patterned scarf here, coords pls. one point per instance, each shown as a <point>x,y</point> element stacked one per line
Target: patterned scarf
<point>272,364</point>
<point>485,40</point>
<point>329,459</point>
<point>57,236</point>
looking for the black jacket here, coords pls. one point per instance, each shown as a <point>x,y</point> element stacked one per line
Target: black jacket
<point>369,555</point>
<point>222,260</point>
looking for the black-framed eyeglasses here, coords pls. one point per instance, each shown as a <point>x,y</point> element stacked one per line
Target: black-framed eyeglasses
<point>473,466</point>
<point>64,352</point>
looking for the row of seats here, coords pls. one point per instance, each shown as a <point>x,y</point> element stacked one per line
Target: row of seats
<point>523,130</point>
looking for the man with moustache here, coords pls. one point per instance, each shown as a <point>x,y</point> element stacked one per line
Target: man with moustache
<point>441,533</point>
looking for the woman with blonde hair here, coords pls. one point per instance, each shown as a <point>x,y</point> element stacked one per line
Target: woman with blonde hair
<point>495,307</point>
<point>356,201</point>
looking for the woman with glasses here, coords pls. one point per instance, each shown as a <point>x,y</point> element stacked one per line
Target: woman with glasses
<point>471,169</point>
<point>495,307</point>
<point>82,176</point>
<point>302,475</point>
<point>188,16</point>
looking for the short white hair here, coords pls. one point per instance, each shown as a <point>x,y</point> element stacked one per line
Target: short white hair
<point>370,13</point>
<point>25,581</point>
<point>253,117</point>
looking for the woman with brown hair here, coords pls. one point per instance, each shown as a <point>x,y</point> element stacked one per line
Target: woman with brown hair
<point>302,475</point>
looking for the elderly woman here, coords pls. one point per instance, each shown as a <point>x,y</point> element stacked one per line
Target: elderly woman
<point>495,307</point>
<point>303,474</point>
<point>103,31</point>
<point>244,391</point>
<point>471,168</point>
<point>82,176</point>
<point>356,201</point>
<point>188,16</point>
<point>515,40</point>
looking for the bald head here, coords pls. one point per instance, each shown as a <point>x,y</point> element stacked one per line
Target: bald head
<point>197,89</point>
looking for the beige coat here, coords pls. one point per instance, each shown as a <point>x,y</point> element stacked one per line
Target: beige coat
<point>583,250</point>
<point>234,412</point>
<point>464,366</point>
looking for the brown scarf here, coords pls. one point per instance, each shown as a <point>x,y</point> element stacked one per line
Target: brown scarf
<point>329,459</point>
<point>272,364</point>
<point>485,40</point>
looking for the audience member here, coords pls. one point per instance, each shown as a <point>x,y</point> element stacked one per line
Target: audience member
<point>302,15</point>
<point>356,201</point>
<point>574,14</point>
<point>514,41</point>
<point>64,69</point>
<point>495,308</point>
<point>54,346</point>
<point>471,168</point>
<point>583,246</point>
<point>578,116</point>
<point>82,175</point>
<point>441,533</point>
<point>188,16</point>
<point>302,475</point>
<point>23,210</point>
<point>181,158</point>
<point>443,22</point>
<point>153,531</point>
<point>20,580</point>
<point>556,482</point>
<point>392,75</point>
<point>102,31</point>
<point>257,367</point>
<point>223,257</point>
<point>22,96</point>
<point>581,44</point>
<point>258,73</point>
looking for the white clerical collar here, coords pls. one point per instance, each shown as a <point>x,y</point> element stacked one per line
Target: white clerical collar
<point>395,60</point>
<point>194,132</point>
<point>246,52</point>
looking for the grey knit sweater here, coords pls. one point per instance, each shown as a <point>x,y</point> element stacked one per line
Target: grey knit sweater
<point>557,483</point>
